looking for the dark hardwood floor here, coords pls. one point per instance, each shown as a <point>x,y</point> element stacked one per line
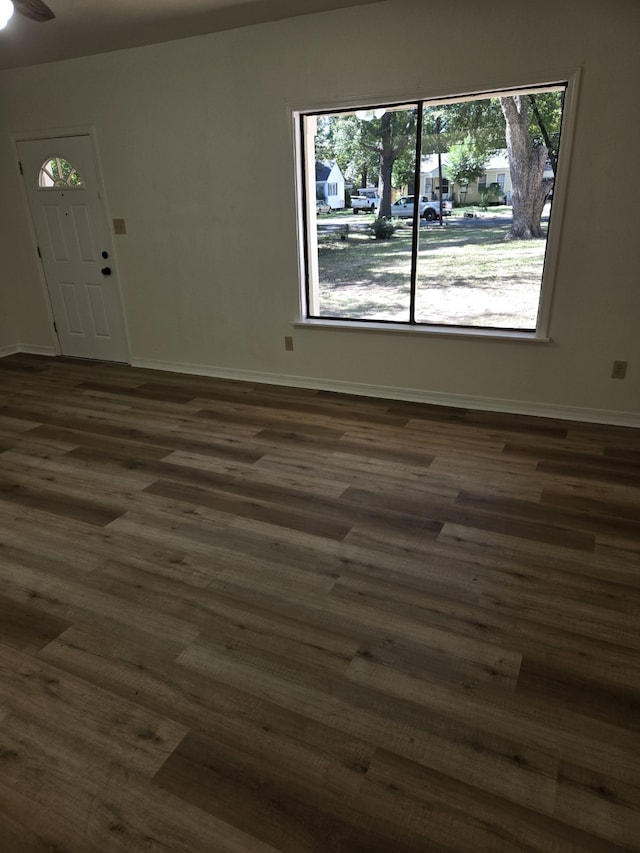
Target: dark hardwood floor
<point>246,618</point>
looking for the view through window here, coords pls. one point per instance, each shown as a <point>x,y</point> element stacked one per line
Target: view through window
<point>57,173</point>
<point>432,213</point>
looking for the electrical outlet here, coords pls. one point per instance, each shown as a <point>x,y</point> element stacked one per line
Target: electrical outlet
<point>288,343</point>
<point>619,370</point>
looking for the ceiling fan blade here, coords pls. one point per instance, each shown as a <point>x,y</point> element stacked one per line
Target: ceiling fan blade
<point>34,9</point>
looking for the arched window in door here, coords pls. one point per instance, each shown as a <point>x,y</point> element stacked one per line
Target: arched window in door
<point>56,173</point>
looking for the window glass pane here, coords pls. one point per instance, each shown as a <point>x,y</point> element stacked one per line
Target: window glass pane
<point>369,157</point>
<point>480,264</point>
<point>58,173</point>
<point>433,213</point>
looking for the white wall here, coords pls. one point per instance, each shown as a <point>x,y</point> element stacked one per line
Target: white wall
<point>9,337</point>
<point>192,132</point>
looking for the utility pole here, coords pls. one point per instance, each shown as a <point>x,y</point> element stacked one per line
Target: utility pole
<point>438,129</point>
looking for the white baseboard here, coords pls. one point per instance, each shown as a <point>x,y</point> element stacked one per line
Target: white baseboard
<point>50,351</point>
<point>29,350</point>
<point>437,398</point>
<point>12,350</point>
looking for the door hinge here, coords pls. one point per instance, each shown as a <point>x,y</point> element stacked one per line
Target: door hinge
<point>39,252</point>
<point>21,169</point>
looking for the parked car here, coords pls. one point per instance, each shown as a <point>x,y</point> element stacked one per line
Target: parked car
<point>322,206</point>
<point>403,208</point>
<point>367,199</point>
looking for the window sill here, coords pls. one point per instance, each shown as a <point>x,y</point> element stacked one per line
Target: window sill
<point>423,330</point>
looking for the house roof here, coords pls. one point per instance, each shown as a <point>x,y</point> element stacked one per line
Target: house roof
<point>324,169</point>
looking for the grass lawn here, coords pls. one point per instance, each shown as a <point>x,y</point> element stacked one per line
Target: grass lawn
<point>467,275</point>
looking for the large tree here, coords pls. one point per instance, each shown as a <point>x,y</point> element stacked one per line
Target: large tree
<point>371,149</point>
<point>391,138</point>
<point>528,126</point>
<point>527,160</point>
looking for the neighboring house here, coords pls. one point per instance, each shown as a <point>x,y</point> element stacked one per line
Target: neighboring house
<point>330,183</point>
<point>496,171</point>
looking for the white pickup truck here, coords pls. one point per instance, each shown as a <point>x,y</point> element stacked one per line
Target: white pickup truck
<point>367,199</point>
<point>403,208</point>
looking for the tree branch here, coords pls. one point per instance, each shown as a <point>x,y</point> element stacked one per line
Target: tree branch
<point>545,135</point>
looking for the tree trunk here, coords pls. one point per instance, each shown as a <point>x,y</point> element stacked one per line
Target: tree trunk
<point>387,159</point>
<point>386,169</point>
<point>526,163</point>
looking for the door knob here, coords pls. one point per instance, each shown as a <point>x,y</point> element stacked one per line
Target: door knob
<point>106,270</point>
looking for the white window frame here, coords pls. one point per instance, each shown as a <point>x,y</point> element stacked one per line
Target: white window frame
<point>307,241</point>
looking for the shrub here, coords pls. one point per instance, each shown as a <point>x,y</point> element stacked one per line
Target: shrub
<point>383,227</point>
<point>491,194</point>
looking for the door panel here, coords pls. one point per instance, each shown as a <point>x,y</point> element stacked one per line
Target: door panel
<point>55,233</point>
<point>98,311</point>
<point>72,231</point>
<point>71,310</point>
<point>84,235</point>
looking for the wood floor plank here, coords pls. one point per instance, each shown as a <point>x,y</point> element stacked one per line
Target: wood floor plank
<point>522,722</point>
<point>498,546</point>
<point>594,802</point>
<point>292,811</point>
<point>488,823</point>
<point>24,627</point>
<point>239,617</point>
<point>75,726</point>
<point>29,492</point>
<point>76,599</point>
<point>249,508</point>
<point>515,771</point>
<point>567,517</point>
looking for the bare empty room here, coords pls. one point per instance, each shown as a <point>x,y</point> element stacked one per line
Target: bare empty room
<point>319,410</point>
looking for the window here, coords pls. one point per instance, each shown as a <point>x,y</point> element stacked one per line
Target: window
<point>57,173</point>
<point>457,256</point>
<point>332,189</point>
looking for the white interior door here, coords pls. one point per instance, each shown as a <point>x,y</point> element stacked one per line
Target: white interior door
<point>75,246</point>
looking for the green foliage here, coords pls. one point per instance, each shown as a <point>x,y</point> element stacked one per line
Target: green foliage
<point>491,194</point>
<point>549,106</point>
<point>340,138</point>
<point>63,173</point>
<point>466,162</point>
<point>479,121</point>
<point>391,138</point>
<point>477,126</point>
<point>383,228</point>
<point>381,151</point>
<point>404,168</point>
<point>362,147</point>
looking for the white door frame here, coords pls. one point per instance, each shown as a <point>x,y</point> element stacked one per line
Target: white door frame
<point>54,133</point>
